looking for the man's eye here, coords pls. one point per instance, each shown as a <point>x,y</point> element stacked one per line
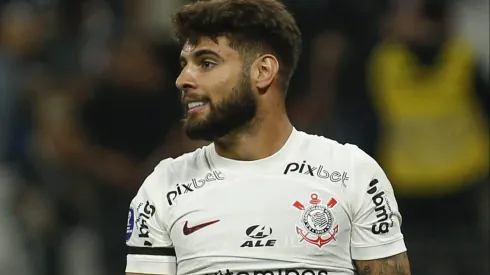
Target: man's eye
<point>207,64</point>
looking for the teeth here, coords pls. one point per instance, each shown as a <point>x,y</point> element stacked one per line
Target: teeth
<point>195,104</point>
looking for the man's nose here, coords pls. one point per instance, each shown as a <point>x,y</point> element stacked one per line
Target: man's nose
<point>185,81</point>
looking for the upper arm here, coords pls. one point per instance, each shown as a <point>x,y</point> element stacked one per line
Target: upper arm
<point>150,249</point>
<point>376,221</point>
<point>393,265</point>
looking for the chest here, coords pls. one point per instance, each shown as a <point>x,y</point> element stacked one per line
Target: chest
<point>248,215</point>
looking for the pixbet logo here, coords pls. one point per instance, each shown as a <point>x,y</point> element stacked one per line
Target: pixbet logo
<point>306,169</point>
<point>382,209</point>
<point>195,184</point>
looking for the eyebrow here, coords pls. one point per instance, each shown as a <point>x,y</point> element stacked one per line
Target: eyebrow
<point>200,53</point>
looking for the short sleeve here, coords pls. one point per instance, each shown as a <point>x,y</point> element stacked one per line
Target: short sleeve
<point>376,223</point>
<point>150,249</point>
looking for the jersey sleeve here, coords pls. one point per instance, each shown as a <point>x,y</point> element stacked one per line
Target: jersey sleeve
<point>150,249</point>
<point>376,221</point>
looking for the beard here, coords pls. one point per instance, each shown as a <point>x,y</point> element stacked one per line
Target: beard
<point>232,112</point>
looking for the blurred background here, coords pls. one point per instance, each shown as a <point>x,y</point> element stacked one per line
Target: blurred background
<point>88,107</point>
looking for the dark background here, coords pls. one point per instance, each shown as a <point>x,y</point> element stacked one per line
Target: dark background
<point>88,107</point>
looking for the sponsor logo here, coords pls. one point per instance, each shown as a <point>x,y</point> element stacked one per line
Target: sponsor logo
<point>273,272</point>
<point>194,184</point>
<point>130,225</point>
<point>258,233</point>
<point>314,171</point>
<point>383,210</point>
<point>142,222</point>
<point>139,207</point>
<point>316,219</point>
<point>189,230</point>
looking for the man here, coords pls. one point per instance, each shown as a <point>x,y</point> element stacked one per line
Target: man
<point>263,198</point>
<point>418,85</point>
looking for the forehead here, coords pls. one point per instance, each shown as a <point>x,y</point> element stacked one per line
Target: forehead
<point>220,46</point>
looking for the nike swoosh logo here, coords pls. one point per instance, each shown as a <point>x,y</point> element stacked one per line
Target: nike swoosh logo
<point>189,230</point>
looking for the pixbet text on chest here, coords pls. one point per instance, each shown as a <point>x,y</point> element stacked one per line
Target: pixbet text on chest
<point>307,169</point>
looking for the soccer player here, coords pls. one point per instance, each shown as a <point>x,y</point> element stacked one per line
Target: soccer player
<point>263,197</point>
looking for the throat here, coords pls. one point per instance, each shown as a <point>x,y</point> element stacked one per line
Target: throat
<point>254,144</point>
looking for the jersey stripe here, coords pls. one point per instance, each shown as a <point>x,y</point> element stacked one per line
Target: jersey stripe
<point>154,251</point>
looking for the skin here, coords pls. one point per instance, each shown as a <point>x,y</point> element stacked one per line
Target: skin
<point>211,70</point>
<point>394,265</point>
<point>214,75</point>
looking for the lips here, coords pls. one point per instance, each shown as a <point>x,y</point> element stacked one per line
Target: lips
<point>196,107</point>
<point>193,103</point>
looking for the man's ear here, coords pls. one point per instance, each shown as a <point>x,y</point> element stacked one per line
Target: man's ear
<point>265,71</point>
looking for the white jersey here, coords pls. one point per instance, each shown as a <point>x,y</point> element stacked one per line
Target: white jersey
<point>310,209</point>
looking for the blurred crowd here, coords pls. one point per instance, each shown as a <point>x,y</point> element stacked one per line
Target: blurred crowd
<point>88,106</point>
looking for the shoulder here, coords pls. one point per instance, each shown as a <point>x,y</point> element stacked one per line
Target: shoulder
<point>330,150</point>
<point>171,170</point>
<point>335,160</point>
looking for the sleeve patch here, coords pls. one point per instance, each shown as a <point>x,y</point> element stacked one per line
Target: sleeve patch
<point>130,225</point>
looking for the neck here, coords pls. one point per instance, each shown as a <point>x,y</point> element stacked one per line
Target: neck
<point>257,140</point>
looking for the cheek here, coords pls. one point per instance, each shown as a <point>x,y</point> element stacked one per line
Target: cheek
<point>219,85</point>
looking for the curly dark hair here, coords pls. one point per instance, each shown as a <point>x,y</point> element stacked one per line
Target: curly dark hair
<point>252,26</point>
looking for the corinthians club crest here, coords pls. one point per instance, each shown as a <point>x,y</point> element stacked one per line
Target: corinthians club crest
<point>317,222</point>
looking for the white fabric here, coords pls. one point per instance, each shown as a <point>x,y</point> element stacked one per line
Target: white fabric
<point>311,208</point>
<point>151,264</point>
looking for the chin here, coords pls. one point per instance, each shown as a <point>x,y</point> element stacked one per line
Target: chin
<point>194,134</point>
<point>194,121</point>
<point>196,129</point>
